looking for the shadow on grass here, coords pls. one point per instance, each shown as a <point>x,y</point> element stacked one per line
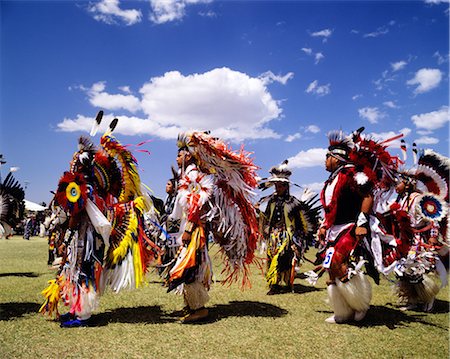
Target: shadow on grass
<point>15,310</point>
<point>142,314</point>
<point>20,274</point>
<point>154,314</point>
<point>300,288</point>
<point>392,318</point>
<point>440,307</point>
<point>241,309</point>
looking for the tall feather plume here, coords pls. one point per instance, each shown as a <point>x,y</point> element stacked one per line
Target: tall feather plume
<point>356,135</point>
<point>414,151</point>
<point>113,124</point>
<point>131,183</point>
<point>403,148</point>
<point>96,124</point>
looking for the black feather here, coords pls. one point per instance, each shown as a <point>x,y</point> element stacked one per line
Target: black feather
<point>99,117</point>
<point>113,124</point>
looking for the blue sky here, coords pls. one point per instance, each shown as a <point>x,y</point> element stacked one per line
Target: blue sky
<point>273,75</point>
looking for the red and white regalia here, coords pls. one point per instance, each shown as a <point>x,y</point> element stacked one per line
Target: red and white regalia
<point>359,166</point>
<point>342,196</point>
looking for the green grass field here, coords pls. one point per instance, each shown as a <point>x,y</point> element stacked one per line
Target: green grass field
<point>243,324</point>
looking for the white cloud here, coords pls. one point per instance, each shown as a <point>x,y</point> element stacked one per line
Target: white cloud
<point>80,123</point>
<point>314,88</point>
<point>434,2</point>
<point>293,137</point>
<point>126,126</point>
<point>426,140</point>
<point>441,59</point>
<point>319,56</point>
<point>231,104</point>
<point>311,158</point>
<point>426,79</point>
<point>215,99</point>
<point>325,34</point>
<point>354,98</point>
<point>382,136</point>
<point>383,82</point>
<point>432,120</point>
<point>170,10</point>
<point>240,133</point>
<point>101,99</point>
<point>125,89</point>
<point>209,13</point>
<point>315,187</point>
<point>269,77</point>
<point>390,104</point>
<point>312,129</point>
<point>424,132</point>
<point>222,99</point>
<point>383,30</point>
<point>371,114</point>
<point>109,12</point>
<point>397,66</point>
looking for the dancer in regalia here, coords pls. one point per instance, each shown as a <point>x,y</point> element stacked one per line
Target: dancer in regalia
<point>419,253</point>
<point>12,205</point>
<point>169,227</point>
<point>104,241</point>
<point>288,227</point>
<point>213,200</point>
<point>358,166</point>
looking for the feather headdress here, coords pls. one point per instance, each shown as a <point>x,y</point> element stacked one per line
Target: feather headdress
<point>131,183</point>
<point>83,159</point>
<point>280,173</point>
<point>233,215</point>
<point>433,172</point>
<point>374,159</point>
<point>12,204</point>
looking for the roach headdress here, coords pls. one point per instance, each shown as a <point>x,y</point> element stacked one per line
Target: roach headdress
<point>340,145</point>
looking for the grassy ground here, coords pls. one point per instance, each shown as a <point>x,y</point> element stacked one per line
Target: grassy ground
<point>143,323</point>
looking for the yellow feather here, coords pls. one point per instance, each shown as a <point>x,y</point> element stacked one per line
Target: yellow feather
<point>52,295</point>
<point>272,273</point>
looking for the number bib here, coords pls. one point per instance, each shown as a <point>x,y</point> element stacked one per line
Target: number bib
<point>328,257</point>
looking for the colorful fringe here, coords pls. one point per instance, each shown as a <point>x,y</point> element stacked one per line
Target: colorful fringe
<point>52,295</point>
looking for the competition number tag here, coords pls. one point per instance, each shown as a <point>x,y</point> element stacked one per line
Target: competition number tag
<point>328,257</point>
